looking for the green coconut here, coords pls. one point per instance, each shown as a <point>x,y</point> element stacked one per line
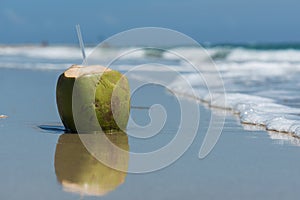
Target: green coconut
<point>97,90</point>
<point>80,172</point>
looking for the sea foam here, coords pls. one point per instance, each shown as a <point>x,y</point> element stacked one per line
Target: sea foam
<point>261,85</point>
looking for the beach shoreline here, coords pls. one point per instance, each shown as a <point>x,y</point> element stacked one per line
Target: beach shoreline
<point>241,162</point>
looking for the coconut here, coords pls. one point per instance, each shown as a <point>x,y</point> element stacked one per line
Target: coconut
<point>80,172</point>
<point>97,90</point>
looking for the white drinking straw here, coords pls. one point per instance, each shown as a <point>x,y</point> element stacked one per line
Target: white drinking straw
<point>81,44</point>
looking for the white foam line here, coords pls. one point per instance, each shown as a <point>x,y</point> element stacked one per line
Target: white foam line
<point>251,109</point>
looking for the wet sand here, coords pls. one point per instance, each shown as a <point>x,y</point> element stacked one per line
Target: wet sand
<point>246,163</point>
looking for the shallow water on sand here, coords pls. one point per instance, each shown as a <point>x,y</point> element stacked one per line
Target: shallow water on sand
<point>245,164</point>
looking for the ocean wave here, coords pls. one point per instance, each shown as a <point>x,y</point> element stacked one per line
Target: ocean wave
<point>34,66</point>
<point>252,109</point>
<point>51,52</point>
<point>72,52</point>
<point>261,85</point>
<point>249,55</point>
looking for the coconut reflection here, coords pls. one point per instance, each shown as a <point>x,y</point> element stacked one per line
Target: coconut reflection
<point>79,172</point>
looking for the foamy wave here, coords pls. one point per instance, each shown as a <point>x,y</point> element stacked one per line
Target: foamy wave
<point>259,68</point>
<point>64,52</point>
<point>190,53</point>
<point>251,109</point>
<point>58,57</point>
<point>52,52</point>
<point>261,85</point>
<point>35,66</point>
<point>284,138</point>
<point>246,55</point>
<point>264,111</point>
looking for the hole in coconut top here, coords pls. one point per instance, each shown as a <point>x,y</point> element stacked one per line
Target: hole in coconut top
<point>76,71</point>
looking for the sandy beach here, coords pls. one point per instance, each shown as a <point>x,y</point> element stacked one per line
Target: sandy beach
<point>246,163</point>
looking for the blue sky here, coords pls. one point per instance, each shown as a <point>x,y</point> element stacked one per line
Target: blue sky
<point>216,21</point>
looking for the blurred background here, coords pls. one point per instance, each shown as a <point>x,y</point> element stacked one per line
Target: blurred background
<point>229,21</point>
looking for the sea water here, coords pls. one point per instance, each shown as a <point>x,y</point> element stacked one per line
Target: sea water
<point>244,163</point>
<point>261,81</point>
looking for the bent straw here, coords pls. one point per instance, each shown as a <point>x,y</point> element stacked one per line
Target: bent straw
<point>81,44</point>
